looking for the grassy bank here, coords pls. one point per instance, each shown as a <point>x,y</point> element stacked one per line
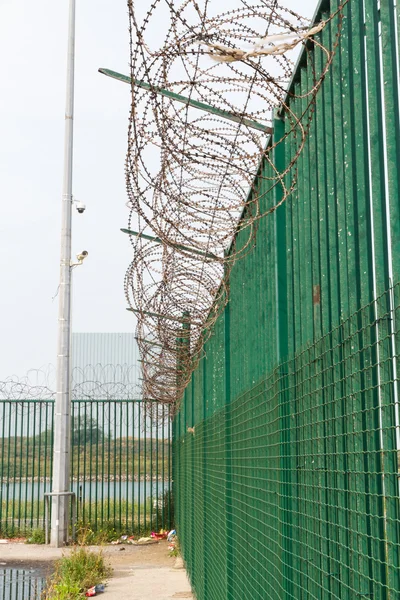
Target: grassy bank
<point>105,510</point>
<point>100,458</point>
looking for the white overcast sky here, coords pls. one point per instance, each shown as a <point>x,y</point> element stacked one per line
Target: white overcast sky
<point>33,38</point>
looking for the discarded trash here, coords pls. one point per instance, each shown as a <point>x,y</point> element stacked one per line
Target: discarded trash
<point>173,545</point>
<point>171,535</point>
<point>124,539</point>
<point>143,541</point>
<point>3,541</point>
<point>96,589</point>
<point>153,539</point>
<point>161,535</point>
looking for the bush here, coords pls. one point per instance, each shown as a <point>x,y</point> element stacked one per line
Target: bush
<point>88,535</point>
<point>75,573</point>
<point>32,536</point>
<point>36,537</point>
<point>65,590</point>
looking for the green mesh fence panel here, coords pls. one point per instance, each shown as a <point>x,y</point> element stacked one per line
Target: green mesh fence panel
<point>292,490</point>
<point>287,441</point>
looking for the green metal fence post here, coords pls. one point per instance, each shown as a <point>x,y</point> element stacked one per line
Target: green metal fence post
<point>204,565</point>
<point>230,560</point>
<point>281,353</point>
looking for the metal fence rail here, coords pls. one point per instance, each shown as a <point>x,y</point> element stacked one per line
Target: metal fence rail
<point>120,465</point>
<point>21,584</point>
<point>287,440</point>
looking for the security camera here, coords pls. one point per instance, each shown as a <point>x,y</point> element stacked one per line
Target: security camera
<point>81,257</point>
<point>80,207</point>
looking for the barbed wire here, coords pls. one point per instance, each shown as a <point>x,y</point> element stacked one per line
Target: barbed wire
<point>92,382</point>
<point>97,382</point>
<point>191,168</point>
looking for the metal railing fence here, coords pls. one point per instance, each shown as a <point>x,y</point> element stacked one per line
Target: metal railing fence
<point>120,464</point>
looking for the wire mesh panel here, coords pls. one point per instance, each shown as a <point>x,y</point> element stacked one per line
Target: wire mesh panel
<point>310,458</point>
<point>293,445</point>
<point>120,464</point>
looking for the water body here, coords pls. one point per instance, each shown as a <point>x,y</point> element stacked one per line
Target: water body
<point>132,491</point>
<point>18,583</point>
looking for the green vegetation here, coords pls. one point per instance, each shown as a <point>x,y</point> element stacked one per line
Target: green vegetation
<point>36,537</point>
<point>102,520</point>
<point>86,431</point>
<point>94,456</point>
<point>92,534</point>
<point>75,573</point>
<point>105,510</point>
<point>32,535</point>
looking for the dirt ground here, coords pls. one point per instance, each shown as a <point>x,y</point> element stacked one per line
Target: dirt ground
<point>153,554</point>
<point>139,572</point>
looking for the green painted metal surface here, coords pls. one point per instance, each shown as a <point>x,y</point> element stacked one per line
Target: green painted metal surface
<point>120,465</point>
<point>289,486</point>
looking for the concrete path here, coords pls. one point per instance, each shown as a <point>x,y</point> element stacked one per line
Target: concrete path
<point>145,573</point>
<point>139,572</point>
<point>148,583</point>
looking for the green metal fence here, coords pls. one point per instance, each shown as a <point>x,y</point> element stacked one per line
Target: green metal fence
<point>287,482</point>
<point>120,464</point>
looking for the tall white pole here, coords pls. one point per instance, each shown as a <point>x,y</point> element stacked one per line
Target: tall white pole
<point>62,416</point>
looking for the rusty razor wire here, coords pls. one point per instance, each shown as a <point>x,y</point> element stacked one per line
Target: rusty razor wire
<point>205,86</point>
